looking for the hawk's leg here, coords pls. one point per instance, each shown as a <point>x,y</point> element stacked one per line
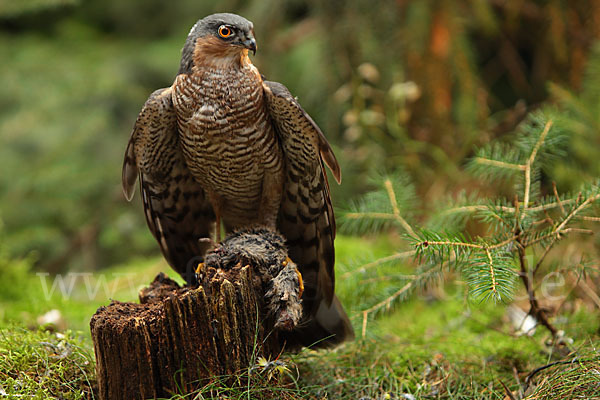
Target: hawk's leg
<point>218,227</point>
<point>270,200</point>
<point>216,202</point>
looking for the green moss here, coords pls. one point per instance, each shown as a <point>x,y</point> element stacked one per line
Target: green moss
<point>440,345</point>
<point>42,365</point>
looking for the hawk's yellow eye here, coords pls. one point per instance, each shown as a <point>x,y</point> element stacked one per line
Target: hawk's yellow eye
<point>225,31</point>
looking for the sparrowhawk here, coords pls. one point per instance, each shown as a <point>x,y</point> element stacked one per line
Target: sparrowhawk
<point>223,146</point>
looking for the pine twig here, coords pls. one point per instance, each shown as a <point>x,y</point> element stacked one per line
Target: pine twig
<point>551,206</point>
<point>592,219</point>
<point>561,230</point>
<point>562,209</point>
<point>543,207</point>
<point>530,161</point>
<point>553,234</point>
<point>374,215</point>
<point>583,205</point>
<point>428,243</point>
<point>492,274</point>
<point>392,196</point>
<point>500,164</point>
<point>387,302</point>
<point>590,292</point>
<point>474,208</point>
<point>395,215</point>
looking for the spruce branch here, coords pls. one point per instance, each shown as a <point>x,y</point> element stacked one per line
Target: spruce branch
<point>487,267</point>
<point>372,210</point>
<point>489,263</point>
<point>579,208</point>
<point>497,161</point>
<point>490,274</point>
<point>560,229</point>
<point>477,208</point>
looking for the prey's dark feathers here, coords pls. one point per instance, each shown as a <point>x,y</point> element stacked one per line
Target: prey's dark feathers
<point>265,252</point>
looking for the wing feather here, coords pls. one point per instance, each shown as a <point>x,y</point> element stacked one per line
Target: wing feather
<point>306,215</point>
<point>176,208</point>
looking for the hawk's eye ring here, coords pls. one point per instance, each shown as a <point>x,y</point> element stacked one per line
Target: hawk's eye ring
<point>225,31</point>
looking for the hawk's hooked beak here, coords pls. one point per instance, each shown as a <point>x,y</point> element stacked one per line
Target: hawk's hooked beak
<point>250,44</point>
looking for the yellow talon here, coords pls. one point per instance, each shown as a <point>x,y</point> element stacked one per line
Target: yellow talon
<point>300,283</point>
<point>199,268</point>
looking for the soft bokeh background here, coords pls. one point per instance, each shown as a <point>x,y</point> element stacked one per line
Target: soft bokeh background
<point>412,84</point>
<point>407,87</point>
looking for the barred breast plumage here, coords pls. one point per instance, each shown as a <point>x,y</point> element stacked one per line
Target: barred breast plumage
<point>229,143</point>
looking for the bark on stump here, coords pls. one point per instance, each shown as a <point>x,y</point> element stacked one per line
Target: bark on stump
<point>177,336</point>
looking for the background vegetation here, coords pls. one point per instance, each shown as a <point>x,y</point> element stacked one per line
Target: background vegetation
<point>403,89</point>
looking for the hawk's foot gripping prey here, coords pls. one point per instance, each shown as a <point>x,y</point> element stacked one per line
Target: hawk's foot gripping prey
<point>264,250</point>
<point>223,146</point>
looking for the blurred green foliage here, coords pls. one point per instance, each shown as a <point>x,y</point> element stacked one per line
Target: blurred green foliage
<point>411,84</point>
<point>581,117</point>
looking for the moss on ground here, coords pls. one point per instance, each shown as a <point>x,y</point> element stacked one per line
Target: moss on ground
<point>43,365</point>
<point>438,345</point>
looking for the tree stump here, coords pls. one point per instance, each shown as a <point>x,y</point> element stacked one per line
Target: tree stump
<point>178,337</point>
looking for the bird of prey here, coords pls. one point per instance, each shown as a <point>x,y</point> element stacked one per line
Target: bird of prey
<point>222,146</point>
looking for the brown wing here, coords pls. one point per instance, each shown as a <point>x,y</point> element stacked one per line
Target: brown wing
<point>306,217</point>
<point>176,208</point>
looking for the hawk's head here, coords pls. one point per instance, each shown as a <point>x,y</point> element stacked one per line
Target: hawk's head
<point>218,38</point>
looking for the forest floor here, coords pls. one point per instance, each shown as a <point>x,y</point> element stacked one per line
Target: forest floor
<point>435,345</point>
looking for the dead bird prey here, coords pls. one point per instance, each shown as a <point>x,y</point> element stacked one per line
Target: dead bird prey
<point>263,250</point>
